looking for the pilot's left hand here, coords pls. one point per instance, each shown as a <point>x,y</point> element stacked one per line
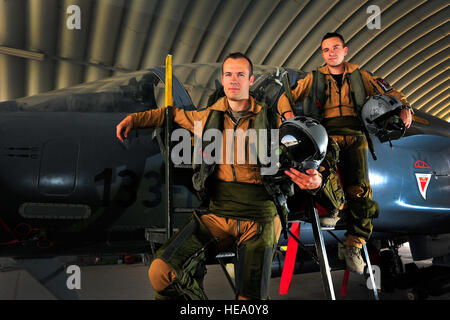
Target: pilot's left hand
<point>310,181</point>
<point>405,115</point>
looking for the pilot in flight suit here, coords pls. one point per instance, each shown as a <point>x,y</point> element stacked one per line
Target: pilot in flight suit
<point>335,94</point>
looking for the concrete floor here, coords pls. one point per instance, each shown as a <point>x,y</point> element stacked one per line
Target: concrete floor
<point>130,282</point>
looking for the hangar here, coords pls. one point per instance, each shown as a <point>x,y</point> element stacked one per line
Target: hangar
<point>50,44</point>
<point>42,49</point>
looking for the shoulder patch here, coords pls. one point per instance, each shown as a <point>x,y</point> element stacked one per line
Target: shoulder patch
<point>383,84</point>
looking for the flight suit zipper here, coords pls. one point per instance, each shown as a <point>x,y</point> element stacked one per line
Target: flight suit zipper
<point>339,92</point>
<point>232,146</point>
<point>234,142</point>
<point>350,93</point>
<point>329,91</point>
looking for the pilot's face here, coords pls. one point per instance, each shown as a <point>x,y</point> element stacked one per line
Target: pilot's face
<point>236,79</point>
<point>333,53</point>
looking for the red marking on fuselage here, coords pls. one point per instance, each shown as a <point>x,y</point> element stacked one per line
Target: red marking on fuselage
<point>421,164</point>
<point>423,183</point>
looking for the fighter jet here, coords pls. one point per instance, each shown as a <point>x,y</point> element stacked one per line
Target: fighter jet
<point>70,187</point>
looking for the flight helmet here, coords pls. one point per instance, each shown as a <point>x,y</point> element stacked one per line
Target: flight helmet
<point>380,114</point>
<point>303,144</point>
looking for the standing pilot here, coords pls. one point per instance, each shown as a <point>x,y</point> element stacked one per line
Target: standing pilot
<point>335,94</point>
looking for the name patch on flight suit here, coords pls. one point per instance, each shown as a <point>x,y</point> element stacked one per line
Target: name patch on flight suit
<point>383,84</point>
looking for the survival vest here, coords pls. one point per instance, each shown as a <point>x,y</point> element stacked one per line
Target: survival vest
<point>265,119</point>
<point>314,103</point>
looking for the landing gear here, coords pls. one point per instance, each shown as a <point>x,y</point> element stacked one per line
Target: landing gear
<point>417,293</point>
<point>428,281</point>
<point>417,283</point>
<point>391,268</point>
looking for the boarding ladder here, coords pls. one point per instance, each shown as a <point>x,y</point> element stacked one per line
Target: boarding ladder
<point>311,215</point>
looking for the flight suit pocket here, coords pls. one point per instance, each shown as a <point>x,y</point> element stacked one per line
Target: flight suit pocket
<point>332,196</point>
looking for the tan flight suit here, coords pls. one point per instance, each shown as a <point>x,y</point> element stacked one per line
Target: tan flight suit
<point>340,118</point>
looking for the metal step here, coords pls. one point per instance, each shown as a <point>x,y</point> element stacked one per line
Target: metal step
<point>157,235</point>
<point>189,210</point>
<point>223,255</point>
<point>183,166</point>
<point>323,228</point>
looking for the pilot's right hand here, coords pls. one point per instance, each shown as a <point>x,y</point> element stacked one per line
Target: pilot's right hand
<point>405,115</point>
<point>124,127</point>
<point>310,180</point>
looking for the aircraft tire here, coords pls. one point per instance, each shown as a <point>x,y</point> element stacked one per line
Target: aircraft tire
<point>416,294</point>
<point>391,269</point>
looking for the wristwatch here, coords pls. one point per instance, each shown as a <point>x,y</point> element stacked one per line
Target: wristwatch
<point>406,107</point>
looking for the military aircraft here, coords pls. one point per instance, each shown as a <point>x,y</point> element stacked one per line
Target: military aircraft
<point>70,187</point>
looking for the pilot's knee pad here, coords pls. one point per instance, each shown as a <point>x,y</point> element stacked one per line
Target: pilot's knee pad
<point>184,255</point>
<point>160,274</point>
<point>363,208</point>
<point>253,266</point>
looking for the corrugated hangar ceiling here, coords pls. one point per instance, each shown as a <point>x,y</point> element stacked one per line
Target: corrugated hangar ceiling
<point>39,52</point>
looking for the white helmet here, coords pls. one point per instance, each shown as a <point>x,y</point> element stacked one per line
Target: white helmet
<point>380,115</point>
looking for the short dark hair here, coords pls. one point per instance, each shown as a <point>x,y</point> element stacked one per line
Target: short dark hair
<point>332,35</point>
<point>237,55</point>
